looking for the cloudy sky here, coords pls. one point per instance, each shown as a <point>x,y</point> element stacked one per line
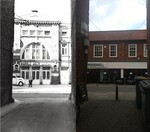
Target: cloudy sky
<point>117,14</point>
<point>104,14</point>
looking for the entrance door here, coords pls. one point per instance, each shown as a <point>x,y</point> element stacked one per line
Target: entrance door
<point>46,76</point>
<point>35,76</point>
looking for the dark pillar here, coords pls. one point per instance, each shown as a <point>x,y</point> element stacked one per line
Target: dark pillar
<point>6,46</point>
<point>148,35</point>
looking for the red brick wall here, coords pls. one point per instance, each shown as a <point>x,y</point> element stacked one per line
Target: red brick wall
<point>122,46</point>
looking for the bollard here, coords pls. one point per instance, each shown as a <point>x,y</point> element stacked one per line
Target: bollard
<point>116,92</point>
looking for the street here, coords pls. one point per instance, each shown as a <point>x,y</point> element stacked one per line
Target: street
<point>41,108</point>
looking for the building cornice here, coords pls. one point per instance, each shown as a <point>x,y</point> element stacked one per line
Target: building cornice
<point>37,22</point>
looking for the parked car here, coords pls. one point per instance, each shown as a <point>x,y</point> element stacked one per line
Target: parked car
<point>16,80</point>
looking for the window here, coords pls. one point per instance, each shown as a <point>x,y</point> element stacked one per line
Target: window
<point>23,75</point>
<point>48,75</point>
<point>33,74</point>
<point>113,50</point>
<point>16,67</point>
<point>46,33</point>
<point>24,32</point>
<point>44,75</point>
<point>64,33</point>
<point>145,50</point>
<point>39,32</point>
<point>64,49</point>
<point>27,75</point>
<point>32,32</point>
<point>45,54</point>
<point>132,52</point>
<point>35,52</point>
<point>37,75</point>
<point>98,50</point>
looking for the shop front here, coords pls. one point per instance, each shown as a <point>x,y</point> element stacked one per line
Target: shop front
<point>115,72</point>
<point>40,71</point>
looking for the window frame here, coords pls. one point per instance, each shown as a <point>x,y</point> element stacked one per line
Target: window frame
<point>24,34</point>
<point>110,50</point>
<point>129,50</point>
<point>145,50</point>
<point>64,50</point>
<point>94,50</point>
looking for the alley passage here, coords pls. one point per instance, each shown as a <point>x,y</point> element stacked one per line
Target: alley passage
<point>40,113</point>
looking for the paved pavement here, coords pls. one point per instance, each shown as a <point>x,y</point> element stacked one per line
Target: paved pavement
<point>40,111</point>
<point>42,89</point>
<point>103,113</point>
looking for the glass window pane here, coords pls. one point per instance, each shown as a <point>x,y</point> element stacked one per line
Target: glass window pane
<point>32,32</point>
<point>39,32</point>
<point>47,32</point>
<point>44,75</point>
<point>24,32</point>
<point>23,75</point>
<point>48,57</point>
<point>48,75</point>
<point>27,75</point>
<point>98,51</point>
<point>33,74</point>
<point>37,75</point>
<point>33,53</point>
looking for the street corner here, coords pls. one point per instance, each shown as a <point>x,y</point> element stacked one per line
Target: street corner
<point>8,108</point>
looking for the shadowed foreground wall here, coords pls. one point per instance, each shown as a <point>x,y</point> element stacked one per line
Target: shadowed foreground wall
<point>148,34</point>
<point>7,36</point>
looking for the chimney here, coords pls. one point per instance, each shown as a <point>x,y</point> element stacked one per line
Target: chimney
<point>34,12</point>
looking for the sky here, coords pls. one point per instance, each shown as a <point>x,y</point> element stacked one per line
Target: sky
<point>103,14</point>
<point>59,9</point>
<point>117,15</point>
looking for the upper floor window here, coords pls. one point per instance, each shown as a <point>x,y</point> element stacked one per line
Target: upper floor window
<point>132,50</point>
<point>46,33</point>
<point>35,52</point>
<point>64,33</point>
<point>145,50</point>
<point>98,50</point>
<point>113,50</point>
<point>64,49</point>
<point>45,53</point>
<point>24,32</point>
<point>39,32</point>
<point>32,32</point>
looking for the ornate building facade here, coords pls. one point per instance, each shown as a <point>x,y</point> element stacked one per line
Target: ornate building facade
<point>42,50</point>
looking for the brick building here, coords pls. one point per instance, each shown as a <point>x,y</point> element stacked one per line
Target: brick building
<point>117,54</point>
<point>42,49</point>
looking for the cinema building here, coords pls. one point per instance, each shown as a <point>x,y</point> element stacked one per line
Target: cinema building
<point>42,49</point>
<point>120,55</point>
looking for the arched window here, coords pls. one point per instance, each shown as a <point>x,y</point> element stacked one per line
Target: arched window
<point>35,52</point>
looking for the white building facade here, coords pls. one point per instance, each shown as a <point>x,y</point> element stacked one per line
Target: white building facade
<point>42,50</point>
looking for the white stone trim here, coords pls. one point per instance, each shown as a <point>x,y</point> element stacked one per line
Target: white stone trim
<point>117,65</point>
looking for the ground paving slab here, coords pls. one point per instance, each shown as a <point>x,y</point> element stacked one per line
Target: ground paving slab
<point>102,113</point>
<point>39,111</point>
